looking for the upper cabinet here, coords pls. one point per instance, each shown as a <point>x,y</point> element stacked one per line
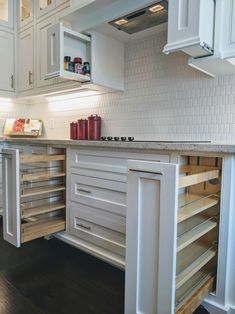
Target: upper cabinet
<point>96,59</point>
<point>191,27</point>
<point>44,6</point>
<point>25,12</point>
<point>7,13</point>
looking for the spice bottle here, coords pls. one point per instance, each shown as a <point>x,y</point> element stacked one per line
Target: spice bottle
<point>94,127</point>
<point>73,130</point>
<point>86,68</point>
<point>77,65</point>
<point>82,129</point>
<point>67,59</point>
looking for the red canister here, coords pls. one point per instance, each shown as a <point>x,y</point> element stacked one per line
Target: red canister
<point>82,129</point>
<point>73,130</point>
<point>94,128</point>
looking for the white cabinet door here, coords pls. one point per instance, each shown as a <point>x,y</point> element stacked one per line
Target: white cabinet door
<point>11,196</point>
<point>44,6</point>
<point>7,13</point>
<point>228,28</point>
<point>41,52</point>
<point>25,12</point>
<point>7,64</point>
<point>25,59</point>
<point>151,237</point>
<point>60,2</point>
<point>191,27</point>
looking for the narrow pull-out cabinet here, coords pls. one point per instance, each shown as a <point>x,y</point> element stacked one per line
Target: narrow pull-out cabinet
<point>33,195</point>
<point>172,234</point>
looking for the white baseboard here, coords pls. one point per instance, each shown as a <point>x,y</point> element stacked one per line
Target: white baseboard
<point>214,308</point>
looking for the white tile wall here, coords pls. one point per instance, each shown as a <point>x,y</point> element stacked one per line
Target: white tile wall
<point>164,99</point>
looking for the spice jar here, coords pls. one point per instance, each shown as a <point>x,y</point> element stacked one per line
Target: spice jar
<point>94,127</point>
<point>82,131</point>
<point>86,69</point>
<point>67,59</point>
<point>77,65</point>
<point>73,130</point>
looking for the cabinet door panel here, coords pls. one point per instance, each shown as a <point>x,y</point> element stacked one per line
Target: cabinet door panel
<point>151,237</point>
<point>11,196</point>
<point>41,51</point>
<point>6,61</point>
<point>25,62</point>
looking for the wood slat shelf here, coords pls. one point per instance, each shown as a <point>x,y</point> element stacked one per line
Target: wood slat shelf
<point>194,234</point>
<point>195,204</point>
<point>42,190</point>
<point>41,228</point>
<point>42,175</point>
<point>41,158</point>
<point>189,180</point>
<point>194,267</point>
<point>39,210</point>
<point>196,296</point>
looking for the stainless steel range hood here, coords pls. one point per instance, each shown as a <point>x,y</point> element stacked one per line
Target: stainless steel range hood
<point>145,18</point>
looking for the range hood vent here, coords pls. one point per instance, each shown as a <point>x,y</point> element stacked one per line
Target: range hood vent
<point>145,18</point>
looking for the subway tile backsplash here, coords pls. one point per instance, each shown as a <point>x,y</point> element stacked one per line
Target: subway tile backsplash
<point>164,99</point>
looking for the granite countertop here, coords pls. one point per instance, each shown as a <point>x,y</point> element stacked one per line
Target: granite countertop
<point>162,146</point>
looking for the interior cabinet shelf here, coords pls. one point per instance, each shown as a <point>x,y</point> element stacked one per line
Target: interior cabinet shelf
<point>45,175</point>
<point>187,272</point>
<point>193,204</point>
<point>189,237</point>
<point>34,211</point>
<point>41,228</point>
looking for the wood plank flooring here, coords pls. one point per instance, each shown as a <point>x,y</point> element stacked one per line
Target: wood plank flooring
<point>51,277</point>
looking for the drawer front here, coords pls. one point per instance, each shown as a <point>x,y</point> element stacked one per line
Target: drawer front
<point>96,234</point>
<point>107,164</point>
<point>99,217</point>
<point>107,195</point>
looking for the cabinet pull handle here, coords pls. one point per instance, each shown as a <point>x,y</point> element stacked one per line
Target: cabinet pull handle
<point>83,226</point>
<point>12,81</point>
<point>30,77</point>
<point>143,171</point>
<point>83,190</point>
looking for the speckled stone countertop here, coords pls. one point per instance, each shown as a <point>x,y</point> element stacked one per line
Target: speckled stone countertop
<point>149,146</point>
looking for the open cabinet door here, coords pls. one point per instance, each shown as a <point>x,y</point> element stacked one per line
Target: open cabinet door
<point>151,237</point>
<point>11,196</point>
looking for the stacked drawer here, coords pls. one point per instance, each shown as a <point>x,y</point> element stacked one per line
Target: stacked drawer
<point>98,200</point>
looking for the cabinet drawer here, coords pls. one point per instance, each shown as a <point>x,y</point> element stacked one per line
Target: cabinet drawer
<point>96,234</point>
<point>104,194</point>
<point>99,217</point>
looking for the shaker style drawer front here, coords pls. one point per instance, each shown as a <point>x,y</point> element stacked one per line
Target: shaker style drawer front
<point>99,193</point>
<point>99,217</point>
<point>96,234</point>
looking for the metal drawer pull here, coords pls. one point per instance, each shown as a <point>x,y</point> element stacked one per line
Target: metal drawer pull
<point>143,171</point>
<point>83,226</point>
<point>83,190</point>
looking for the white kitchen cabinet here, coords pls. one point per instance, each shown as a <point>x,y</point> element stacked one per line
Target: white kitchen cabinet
<point>174,248</point>
<point>60,2</point>
<point>99,50</point>
<point>191,27</point>
<point>33,201</point>
<point>26,60</point>
<point>7,62</point>
<point>41,51</point>
<point>42,7</point>
<point>7,13</point>
<point>25,12</point>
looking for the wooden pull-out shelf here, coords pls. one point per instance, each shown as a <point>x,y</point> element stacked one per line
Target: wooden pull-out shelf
<point>196,293</point>
<point>41,228</point>
<point>42,190</point>
<point>196,178</point>
<point>39,210</point>
<point>45,175</point>
<point>41,158</point>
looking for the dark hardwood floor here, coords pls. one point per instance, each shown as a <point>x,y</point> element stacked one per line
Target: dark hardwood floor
<point>53,277</point>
